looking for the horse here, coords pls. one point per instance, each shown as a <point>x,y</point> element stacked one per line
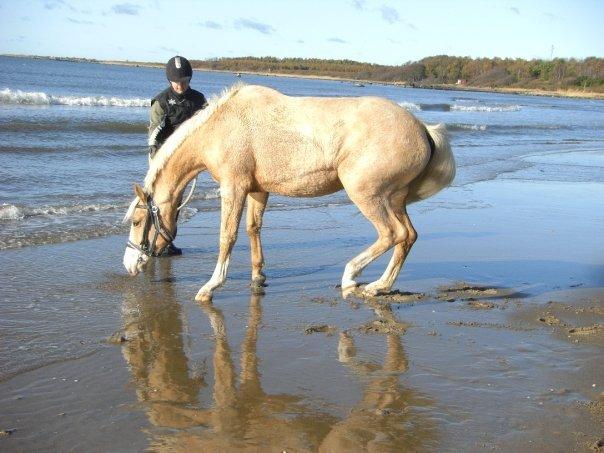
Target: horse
<point>254,140</point>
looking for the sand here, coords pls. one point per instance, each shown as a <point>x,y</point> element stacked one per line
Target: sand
<point>492,340</point>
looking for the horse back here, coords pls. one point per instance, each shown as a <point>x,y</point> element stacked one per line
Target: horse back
<point>299,146</point>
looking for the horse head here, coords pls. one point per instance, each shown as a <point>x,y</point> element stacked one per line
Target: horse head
<point>152,230</point>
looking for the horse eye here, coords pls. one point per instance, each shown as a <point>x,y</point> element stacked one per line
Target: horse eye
<point>137,223</point>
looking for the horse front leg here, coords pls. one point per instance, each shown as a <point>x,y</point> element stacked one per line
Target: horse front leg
<point>232,201</point>
<point>256,203</point>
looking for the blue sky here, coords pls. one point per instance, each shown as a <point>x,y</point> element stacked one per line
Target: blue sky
<point>377,31</point>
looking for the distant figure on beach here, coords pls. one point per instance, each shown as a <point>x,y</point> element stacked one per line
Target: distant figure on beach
<point>172,107</point>
<point>175,104</point>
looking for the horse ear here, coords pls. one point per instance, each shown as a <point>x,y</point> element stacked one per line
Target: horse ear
<point>140,193</point>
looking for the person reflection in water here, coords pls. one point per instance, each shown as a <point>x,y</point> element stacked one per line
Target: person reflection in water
<point>245,416</point>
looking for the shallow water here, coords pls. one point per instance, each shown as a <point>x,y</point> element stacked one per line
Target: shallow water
<point>301,369</point>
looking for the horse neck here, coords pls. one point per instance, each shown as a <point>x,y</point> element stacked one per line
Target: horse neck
<point>184,164</point>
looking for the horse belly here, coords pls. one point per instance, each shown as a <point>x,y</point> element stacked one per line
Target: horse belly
<point>315,184</point>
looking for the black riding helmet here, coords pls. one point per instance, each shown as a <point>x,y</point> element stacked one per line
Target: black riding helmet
<point>178,68</point>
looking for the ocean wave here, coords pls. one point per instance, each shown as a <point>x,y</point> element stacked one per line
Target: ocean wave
<point>510,128</point>
<point>12,212</point>
<point>485,108</point>
<point>116,127</point>
<point>211,194</point>
<point>437,107</point>
<point>15,212</point>
<point>526,127</point>
<point>8,96</point>
<point>410,106</point>
<point>466,127</point>
<point>186,214</point>
<point>464,99</point>
<point>26,226</point>
<point>444,107</point>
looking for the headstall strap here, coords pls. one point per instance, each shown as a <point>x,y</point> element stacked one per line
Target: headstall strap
<point>152,218</point>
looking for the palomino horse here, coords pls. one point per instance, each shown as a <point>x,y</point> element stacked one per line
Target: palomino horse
<point>254,140</point>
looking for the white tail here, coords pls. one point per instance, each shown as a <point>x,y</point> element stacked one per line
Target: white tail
<point>439,172</point>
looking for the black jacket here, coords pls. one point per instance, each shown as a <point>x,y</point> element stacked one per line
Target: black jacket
<point>171,111</point>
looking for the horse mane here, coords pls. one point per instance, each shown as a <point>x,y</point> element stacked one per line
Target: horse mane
<point>185,130</point>
<point>130,211</point>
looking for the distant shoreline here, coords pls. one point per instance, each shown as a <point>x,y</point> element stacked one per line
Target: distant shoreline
<point>444,87</point>
<point>579,94</point>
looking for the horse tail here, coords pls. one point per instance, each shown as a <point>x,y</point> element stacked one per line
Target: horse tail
<point>440,170</point>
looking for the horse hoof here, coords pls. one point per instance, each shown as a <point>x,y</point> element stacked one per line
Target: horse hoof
<point>257,290</point>
<point>258,282</point>
<point>203,297</point>
<point>374,289</point>
<point>348,290</point>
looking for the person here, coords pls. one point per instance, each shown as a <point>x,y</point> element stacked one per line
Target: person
<point>172,107</point>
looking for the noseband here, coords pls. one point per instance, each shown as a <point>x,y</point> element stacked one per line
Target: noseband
<point>151,219</point>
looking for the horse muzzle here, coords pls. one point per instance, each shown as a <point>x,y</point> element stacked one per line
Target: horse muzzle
<point>134,261</point>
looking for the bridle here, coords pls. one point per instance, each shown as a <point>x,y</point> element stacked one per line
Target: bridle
<point>154,219</point>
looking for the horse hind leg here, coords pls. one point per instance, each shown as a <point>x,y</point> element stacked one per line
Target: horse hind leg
<point>256,203</point>
<point>390,232</point>
<point>385,282</point>
<point>401,250</point>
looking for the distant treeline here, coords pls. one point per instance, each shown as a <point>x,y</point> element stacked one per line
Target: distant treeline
<point>559,73</point>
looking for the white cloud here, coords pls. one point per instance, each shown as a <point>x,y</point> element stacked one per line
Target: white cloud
<point>250,24</point>
<point>128,9</point>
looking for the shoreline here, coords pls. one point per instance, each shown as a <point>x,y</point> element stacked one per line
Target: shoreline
<point>576,94</point>
<point>442,87</point>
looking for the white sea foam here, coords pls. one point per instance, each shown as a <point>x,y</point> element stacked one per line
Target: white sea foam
<point>187,213</point>
<point>469,127</point>
<point>210,194</point>
<point>485,108</point>
<point>207,194</point>
<point>8,96</point>
<point>10,212</point>
<point>66,210</point>
<point>410,106</point>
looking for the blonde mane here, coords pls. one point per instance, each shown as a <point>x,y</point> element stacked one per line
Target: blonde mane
<point>180,135</point>
<point>130,211</point>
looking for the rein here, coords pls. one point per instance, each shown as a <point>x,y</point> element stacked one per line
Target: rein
<point>154,219</point>
<point>183,204</point>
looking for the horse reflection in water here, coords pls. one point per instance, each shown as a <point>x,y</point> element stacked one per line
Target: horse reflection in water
<point>245,417</point>
<point>381,421</point>
<point>155,352</point>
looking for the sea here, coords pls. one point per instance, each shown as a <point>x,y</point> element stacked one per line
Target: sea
<point>73,140</point>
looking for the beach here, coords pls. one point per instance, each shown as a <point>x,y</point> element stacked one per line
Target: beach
<point>491,339</point>
<point>466,354</point>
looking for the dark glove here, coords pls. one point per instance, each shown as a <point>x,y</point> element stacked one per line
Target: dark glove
<point>152,150</point>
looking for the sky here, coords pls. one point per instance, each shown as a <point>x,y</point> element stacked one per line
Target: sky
<point>375,31</point>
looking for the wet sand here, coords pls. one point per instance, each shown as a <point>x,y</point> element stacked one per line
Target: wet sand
<point>492,340</point>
